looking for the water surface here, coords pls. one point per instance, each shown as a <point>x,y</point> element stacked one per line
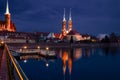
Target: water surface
<point>75,64</point>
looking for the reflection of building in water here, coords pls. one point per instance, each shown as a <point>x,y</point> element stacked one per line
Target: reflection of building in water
<point>68,56</point>
<point>26,57</point>
<point>64,61</point>
<point>86,52</point>
<point>70,61</point>
<point>78,53</point>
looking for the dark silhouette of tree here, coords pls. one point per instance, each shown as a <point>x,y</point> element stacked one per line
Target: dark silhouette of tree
<point>105,40</point>
<point>113,38</point>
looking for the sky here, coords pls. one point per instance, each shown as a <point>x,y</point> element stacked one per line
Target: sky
<point>88,16</point>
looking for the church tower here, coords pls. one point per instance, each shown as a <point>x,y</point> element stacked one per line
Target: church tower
<point>64,25</point>
<point>70,24</point>
<point>7,17</point>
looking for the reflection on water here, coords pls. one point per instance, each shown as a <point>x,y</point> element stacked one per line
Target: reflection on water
<point>67,60</point>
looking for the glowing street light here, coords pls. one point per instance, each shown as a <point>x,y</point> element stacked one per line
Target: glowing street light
<point>38,47</point>
<point>25,47</point>
<point>47,48</point>
<point>2,42</point>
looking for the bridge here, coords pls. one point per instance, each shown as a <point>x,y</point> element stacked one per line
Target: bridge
<point>9,67</point>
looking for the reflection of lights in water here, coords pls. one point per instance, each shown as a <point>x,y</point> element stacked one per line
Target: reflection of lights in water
<point>47,64</point>
<point>65,56</point>
<point>64,59</point>
<point>78,53</point>
<point>64,69</point>
<point>25,61</point>
<point>70,65</point>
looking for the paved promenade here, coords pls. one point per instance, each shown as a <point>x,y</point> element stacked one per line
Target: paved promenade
<point>3,66</point>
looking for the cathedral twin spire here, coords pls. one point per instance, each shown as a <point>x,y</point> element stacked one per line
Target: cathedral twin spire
<point>70,17</point>
<point>64,30</point>
<point>64,16</point>
<point>7,8</point>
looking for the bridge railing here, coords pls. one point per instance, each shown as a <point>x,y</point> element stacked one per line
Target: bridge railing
<point>15,71</point>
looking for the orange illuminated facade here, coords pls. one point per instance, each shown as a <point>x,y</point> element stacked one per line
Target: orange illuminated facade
<point>65,31</point>
<point>7,25</point>
<point>64,25</point>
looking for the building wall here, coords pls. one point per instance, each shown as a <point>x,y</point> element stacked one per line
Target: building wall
<point>75,37</point>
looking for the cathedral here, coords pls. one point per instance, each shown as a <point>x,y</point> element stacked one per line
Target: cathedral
<point>68,32</point>
<point>7,24</point>
<point>64,24</point>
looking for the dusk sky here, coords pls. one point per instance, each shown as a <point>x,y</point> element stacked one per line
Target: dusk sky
<point>89,16</point>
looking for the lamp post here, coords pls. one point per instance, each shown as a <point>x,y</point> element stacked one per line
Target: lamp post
<point>25,47</point>
<point>38,47</point>
<point>47,48</point>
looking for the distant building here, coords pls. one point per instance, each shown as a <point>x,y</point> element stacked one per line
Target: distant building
<point>7,24</point>
<point>102,36</point>
<point>17,37</point>
<point>64,31</point>
<point>76,36</point>
<point>86,37</point>
<point>68,33</point>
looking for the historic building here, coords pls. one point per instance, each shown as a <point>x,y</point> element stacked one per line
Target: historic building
<point>68,32</point>
<point>64,32</point>
<point>7,24</point>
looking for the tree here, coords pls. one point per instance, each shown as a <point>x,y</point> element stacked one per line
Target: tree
<point>113,38</point>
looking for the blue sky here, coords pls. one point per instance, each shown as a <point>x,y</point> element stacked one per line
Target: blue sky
<point>89,16</point>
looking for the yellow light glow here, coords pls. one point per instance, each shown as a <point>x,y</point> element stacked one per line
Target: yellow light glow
<point>47,48</point>
<point>2,42</point>
<point>25,47</point>
<point>38,47</point>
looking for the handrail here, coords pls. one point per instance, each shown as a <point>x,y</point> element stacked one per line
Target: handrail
<point>15,65</point>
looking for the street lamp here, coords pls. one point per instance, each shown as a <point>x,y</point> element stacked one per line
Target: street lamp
<point>25,47</point>
<point>38,47</point>
<point>47,48</point>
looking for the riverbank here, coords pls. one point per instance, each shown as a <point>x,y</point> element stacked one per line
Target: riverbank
<point>61,45</point>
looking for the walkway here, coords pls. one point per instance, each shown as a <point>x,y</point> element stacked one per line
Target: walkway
<point>3,66</point>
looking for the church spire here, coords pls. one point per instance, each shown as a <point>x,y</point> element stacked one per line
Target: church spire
<point>7,8</point>
<point>70,24</point>
<point>70,17</point>
<point>64,16</point>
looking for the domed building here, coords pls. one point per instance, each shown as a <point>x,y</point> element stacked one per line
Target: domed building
<point>7,24</point>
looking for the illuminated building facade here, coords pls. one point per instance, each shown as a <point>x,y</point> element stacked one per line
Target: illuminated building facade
<point>64,32</point>
<point>64,25</point>
<point>68,32</point>
<point>7,25</point>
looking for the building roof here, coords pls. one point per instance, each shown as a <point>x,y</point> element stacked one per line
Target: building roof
<point>73,32</point>
<point>2,22</point>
